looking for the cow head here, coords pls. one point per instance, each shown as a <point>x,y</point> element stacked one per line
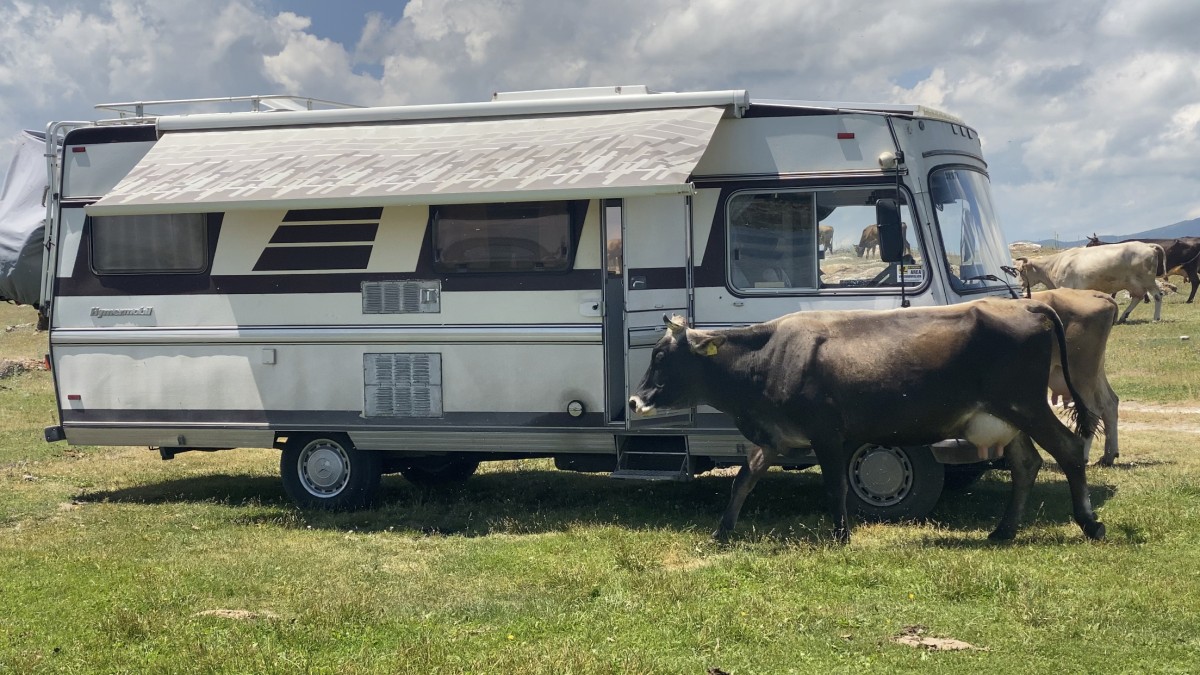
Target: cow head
<point>1024,272</point>
<point>858,250</point>
<point>673,378</point>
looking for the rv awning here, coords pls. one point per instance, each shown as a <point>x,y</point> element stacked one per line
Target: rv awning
<point>579,156</point>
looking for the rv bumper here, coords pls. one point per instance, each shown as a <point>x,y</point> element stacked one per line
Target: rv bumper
<point>54,434</point>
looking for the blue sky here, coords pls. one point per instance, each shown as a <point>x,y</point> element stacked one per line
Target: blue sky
<point>340,21</point>
<point>1089,111</point>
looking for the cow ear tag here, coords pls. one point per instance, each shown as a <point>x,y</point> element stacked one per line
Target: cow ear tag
<point>710,349</point>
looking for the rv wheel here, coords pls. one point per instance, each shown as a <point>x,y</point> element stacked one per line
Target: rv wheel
<point>433,471</point>
<point>894,483</point>
<point>328,472</point>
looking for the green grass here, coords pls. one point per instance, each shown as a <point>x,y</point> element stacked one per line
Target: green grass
<point>110,557</point>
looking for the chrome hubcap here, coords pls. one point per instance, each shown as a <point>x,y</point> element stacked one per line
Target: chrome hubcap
<point>881,476</point>
<point>324,468</point>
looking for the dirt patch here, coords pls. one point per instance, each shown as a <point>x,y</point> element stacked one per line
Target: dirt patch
<point>1156,426</point>
<point>12,368</point>
<point>239,614</point>
<point>914,636</point>
<point>1137,406</point>
<point>1160,417</point>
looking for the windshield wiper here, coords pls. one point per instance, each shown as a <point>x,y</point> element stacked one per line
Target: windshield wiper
<point>992,277</point>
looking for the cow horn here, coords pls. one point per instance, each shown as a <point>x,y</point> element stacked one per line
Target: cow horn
<point>674,323</point>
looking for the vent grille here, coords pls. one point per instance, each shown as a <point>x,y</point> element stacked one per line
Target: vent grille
<point>402,297</point>
<point>403,385</point>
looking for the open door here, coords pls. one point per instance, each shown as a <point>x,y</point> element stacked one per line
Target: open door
<point>658,280</point>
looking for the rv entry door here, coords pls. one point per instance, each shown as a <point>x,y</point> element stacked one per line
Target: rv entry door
<point>658,280</point>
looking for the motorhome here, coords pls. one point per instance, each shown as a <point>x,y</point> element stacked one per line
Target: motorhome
<point>418,289</point>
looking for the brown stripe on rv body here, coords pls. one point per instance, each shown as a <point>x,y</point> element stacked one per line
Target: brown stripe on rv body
<point>345,420</point>
<point>313,258</point>
<point>325,233</point>
<point>311,215</point>
<point>84,282</point>
<point>657,277</point>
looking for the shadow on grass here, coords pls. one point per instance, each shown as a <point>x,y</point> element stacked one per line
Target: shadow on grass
<point>1120,465</point>
<point>785,507</point>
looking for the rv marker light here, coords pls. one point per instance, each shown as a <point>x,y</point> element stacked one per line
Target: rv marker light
<point>845,135</point>
<point>74,397</point>
<point>79,148</point>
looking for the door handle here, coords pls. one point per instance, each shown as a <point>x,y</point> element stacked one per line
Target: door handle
<point>637,283</point>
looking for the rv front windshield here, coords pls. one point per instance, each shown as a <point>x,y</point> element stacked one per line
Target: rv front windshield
<point>974,247</point>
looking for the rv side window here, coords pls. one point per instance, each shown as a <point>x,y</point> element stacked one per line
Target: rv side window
<point>772,240</point>
<point>807,240</point>
<point>152,244</point>
<point>514,237</point>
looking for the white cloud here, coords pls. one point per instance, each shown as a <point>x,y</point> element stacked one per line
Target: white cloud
<point>1089,111</point>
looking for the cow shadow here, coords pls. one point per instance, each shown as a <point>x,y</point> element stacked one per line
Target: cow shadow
<point>785,508</point>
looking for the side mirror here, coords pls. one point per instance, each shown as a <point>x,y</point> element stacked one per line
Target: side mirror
<point>891,232</point>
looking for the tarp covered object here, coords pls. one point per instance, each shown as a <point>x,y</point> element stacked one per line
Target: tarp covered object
<point>22,220</point>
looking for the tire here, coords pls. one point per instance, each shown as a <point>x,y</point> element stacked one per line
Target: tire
<point>326,471</point>
<point>434,471</point>
<point>892,484</point>
<point>963,476</point>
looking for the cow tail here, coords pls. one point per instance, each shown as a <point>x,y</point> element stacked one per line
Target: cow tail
<point>1087,423</point>
<point>1162,260</point>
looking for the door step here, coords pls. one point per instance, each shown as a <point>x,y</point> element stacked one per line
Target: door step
<point>653,458</point>
<point>650,474</point>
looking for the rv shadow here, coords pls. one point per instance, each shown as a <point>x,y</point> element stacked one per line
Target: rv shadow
<point>785,506</point>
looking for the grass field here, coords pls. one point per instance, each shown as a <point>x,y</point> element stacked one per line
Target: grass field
<point>115,561</point>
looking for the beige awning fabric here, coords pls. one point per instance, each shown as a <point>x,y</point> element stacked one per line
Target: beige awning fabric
<point>579,156</point>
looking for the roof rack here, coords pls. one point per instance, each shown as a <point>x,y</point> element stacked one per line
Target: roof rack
<point>258,103</point>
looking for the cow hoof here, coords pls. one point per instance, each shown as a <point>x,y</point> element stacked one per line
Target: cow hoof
<point>721,536</point>
<point>1002,534</point>
<point>1107,461</point>
<point>1094,530</point>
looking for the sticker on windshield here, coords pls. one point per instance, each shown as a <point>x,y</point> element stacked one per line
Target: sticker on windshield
<point>913,275</point>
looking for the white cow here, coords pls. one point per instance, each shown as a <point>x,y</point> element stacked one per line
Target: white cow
<point>1131,266</point>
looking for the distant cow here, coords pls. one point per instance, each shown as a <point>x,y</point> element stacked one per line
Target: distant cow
<point>868,243</point>
<point>1183,257</point>
<point>838,380</point>
<point>1131,266</point>
<point>825,237</point>
<point>1087,318</point>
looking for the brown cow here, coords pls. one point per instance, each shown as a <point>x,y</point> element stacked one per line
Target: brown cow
<point>976,370</point>
<point>1087,318</point>
<point>1182,257</point>
<point>868,243</point>
<point>825,238</point>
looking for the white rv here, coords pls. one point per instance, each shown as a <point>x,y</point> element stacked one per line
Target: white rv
<point>418,289</point>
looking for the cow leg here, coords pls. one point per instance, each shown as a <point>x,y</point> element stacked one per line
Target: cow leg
<point>1107,405</point>
<point>1134,299</point>
<point>832,457</point>
<point>1195,279</point>
<point>1025,462</point>
<point>1067,449</point>
<point>758,460</point>
<point>1158,296</point>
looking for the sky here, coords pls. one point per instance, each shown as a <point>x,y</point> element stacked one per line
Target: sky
<point>1089,110</point>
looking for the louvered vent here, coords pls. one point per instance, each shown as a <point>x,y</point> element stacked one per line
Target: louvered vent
<point>403,385</point>
<point>402,297</point>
